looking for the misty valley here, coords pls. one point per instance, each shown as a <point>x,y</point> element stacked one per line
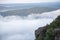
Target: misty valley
<point>19,21</point>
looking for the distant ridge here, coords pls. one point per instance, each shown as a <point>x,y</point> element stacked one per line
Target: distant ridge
<point>25,12</point>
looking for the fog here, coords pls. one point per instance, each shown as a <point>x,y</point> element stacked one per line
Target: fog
<point>23,28</point>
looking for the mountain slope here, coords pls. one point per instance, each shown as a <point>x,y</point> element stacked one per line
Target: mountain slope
<point>48,32</point>
<point>24,12</point>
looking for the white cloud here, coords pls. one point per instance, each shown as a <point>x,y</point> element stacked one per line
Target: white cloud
<point>20,29</point>
<point>52,14</point>
<point>17,28</point>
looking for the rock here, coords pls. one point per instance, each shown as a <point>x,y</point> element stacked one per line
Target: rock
<point>39,31</point>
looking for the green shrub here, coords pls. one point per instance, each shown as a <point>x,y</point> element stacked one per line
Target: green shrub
<point>48,33</point>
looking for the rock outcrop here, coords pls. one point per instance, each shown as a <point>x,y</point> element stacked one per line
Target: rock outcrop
<point>39,30</point>
<point>57,34</point>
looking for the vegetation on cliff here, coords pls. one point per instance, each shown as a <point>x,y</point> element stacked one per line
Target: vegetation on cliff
<point>48,32</point>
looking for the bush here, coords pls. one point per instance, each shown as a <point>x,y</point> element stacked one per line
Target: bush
<point>48,33</point>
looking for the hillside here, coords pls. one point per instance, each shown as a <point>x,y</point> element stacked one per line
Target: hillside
<point>49,32</point>
<point>24,12</point>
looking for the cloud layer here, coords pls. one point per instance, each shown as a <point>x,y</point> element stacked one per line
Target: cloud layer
<point>18,28</point>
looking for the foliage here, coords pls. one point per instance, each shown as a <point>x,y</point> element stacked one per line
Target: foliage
<point>48,33</point>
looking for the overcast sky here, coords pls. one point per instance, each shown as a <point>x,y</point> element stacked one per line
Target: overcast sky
<point>27,1</point>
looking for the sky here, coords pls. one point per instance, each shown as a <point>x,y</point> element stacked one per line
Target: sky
<point>27,1</point>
